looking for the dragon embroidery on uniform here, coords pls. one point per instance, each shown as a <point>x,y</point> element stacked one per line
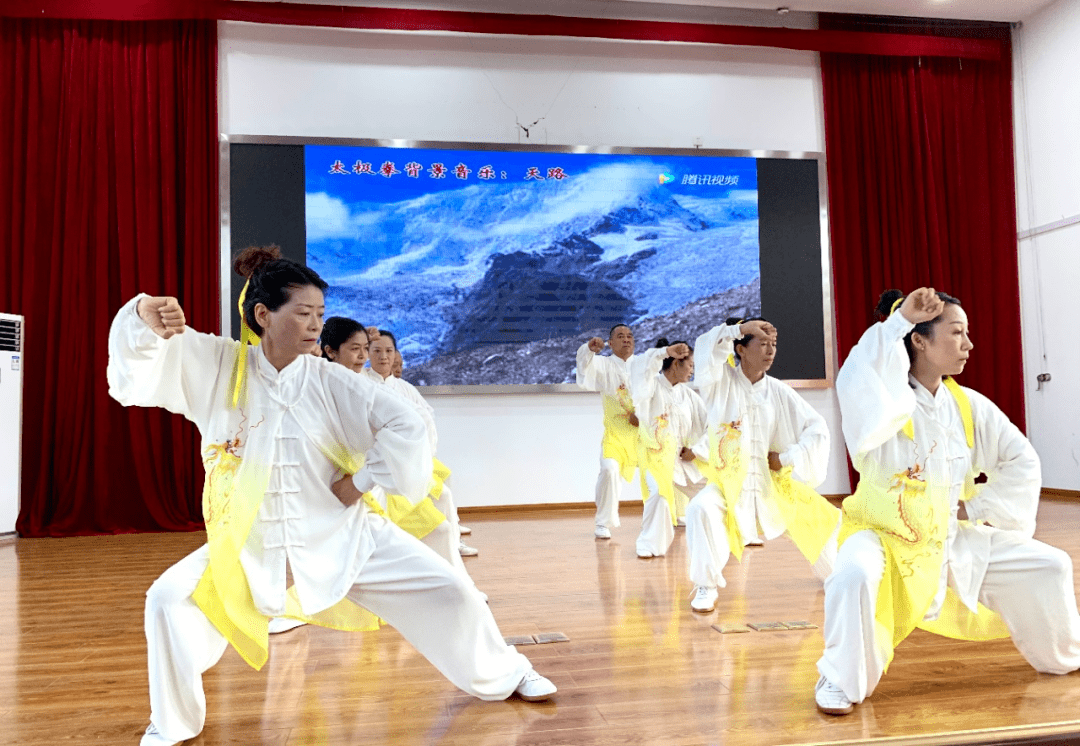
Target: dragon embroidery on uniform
<point>622,395</point>
<point>727,443</point>
<point>222,461</point>
<point>911,480</point>
<point>658,433</point>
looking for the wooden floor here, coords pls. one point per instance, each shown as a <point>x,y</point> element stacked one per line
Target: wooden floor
<point>640,667</point>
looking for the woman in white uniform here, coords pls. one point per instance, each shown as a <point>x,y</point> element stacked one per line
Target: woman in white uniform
<point>923,545</point>
<point>279,428</point>
<point>672,421</point>
<point>768,449</point>
<point>610,375</point>
<point>383,351</point>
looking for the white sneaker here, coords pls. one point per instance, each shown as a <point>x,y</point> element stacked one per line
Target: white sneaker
<point>281,624</point>
<point>535,688</point>
<point>602,532</point>
<point>831,699</point>
<point>680,522</point>
<point>464,530</point>
<point>466,551</point>
<point>153,738</point>
<point>642,554</point>
<point>756,541</point>
<point>704,599</point>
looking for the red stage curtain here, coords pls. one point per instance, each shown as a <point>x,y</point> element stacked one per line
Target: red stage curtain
<point>108,186</point>
<point>921,192</point>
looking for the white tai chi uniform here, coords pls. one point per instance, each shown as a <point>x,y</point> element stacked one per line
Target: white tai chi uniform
<point>610,375</point>
<point>445,539</point>
<point>286,421</point>
<point>1028,583</point>
<point>655,399</point>
<point>772,417</point>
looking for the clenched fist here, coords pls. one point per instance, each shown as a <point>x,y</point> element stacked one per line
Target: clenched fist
<point>163,315</point>
<point>346,491</point>
<point>922,305</point>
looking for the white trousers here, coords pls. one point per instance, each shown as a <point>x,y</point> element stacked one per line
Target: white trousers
<point>1030,584</point>
<point>434,606</point>
<point>608,490</point>
<point>657,531</point>
<point>446,538</point>
<point>707,544</point>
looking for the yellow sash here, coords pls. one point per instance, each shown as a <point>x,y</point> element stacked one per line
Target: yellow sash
<point>423,517</point>
<point>620,437</point>
<point>657,451</point>
<point>726,468</point>
<point>809,518</point>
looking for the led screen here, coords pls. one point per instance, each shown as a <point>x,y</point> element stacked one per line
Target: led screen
<point>492,267</point>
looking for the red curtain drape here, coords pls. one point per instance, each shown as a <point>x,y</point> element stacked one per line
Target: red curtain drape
<point>108,187</point>
<point>921,192</point>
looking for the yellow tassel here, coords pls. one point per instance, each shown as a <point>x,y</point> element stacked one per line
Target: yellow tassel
<point>247,336</point>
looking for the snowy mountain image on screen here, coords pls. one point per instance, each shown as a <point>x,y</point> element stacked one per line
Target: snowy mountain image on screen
<point>500,282</point>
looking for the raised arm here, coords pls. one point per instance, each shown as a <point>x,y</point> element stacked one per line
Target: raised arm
<point>156,361</point>
<point>1009,499</point>
<point>712,351</point>
<point>872,386</point>
<point>644,369</point>
<point>875,398</point>
<point>588,372</point>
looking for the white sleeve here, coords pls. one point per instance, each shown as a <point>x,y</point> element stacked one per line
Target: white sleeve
<point>711,352</point>
<point>699,422</point>
<point>872,386</point>
<point>809,454</point>
<point>384,426</point>
<point>182,374</point>
<point>425,410</point>
<point>587,371</point>
<point>712,372</point>
<point>644,370</point>
<point>1009,499</point>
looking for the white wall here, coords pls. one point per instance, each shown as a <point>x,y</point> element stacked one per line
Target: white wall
<point>1047,106</point>
<point>523,449</point>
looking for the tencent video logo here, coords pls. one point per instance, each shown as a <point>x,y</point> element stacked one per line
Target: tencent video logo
<point>665,178</point>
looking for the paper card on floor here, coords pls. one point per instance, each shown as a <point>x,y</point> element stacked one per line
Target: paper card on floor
<point>799,625</point>
<point>767,626</point>
<point>726,629</point>
<point>543,637</point>
<point>520,640</point>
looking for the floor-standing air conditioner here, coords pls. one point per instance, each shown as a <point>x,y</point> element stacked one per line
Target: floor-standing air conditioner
<point>11,360</point>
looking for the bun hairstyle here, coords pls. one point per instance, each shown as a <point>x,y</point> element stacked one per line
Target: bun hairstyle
<point>271,280</point>
<point>890,302</point>
<point>336,331</point>
<point>390,336</point>
<point>745,340</point>
<point>663,342</point>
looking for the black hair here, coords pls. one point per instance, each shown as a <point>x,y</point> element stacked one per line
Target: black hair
<point>336,331</point>
<point>746,339</point>
<point>891,299</point>
<point>384,333</point>
<point>663,342</point>
<point>271,280</point>
<point>616,327</point>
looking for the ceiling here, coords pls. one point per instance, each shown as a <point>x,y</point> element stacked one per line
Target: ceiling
<point>752,12</point>
<point>985,10</point>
